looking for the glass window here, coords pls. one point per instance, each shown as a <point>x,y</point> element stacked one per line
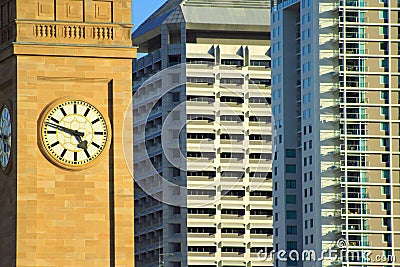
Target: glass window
<point>291,230</point>
<point>290,199</point>
<point>290,153</point>
<point>291,184</point>
<point>291,245</point>
<point>290,168</point>
<point>291,214</point>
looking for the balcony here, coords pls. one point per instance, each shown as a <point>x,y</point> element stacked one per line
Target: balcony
<point>353,3</point>
<point>355,195</point>
<point>355,211</point>
<point>355,100</point>
<point>355,227</point>
<point>354,179</point>
<point>354,147</point>
<point>354,163</point>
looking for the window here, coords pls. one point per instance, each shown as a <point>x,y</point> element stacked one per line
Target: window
<point>176,228</point>
<point>209,249</point>
<point>310,128</point>
<point>305,161</point>
<point>291,230</point>
<point>290,153</point>
<point>291,245</point>
<point>384,126</point>
<point>176,247</point>
<point>384,79</point>
<point>386,206</point>
<point>310,160</point>
<point>238,231</point>
<point>237,212</point>
<point>290,199</point>
<point>311,207</point>
<point>305,177</point>
<point>276,216</point>
<point>311,223</point>
<point>311,191</point>
<point>176,172</point>
<point>291,214</point>
<point>290,168</point>
<point>260,63</point>
<point>306,224</point>
<point>386,190</point>
<point>232,62</point>
<point>176,210</point>
<point>306,240</point>
<point>310,144</point>
<point>387,238</point>
<point>261,212</point>
<point>175,97</point>
<point>291,184</point>
<point>383,30</point>
<point>260,231</point>
<point>310,175</point>
<point>305,192</point>
<point>386,221</point>
<point>385,174</point>
<point>305,208</point>
<point>201,211</point>
<point>305,146</point>
<point>200,192</point>
<point>383,14</point>
<point>234,249</point>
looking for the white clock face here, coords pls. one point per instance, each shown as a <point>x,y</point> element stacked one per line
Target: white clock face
<point>74,133</point>
<point>5,137</point>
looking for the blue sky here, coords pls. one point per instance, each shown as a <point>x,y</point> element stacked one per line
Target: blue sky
<point>141,9</point>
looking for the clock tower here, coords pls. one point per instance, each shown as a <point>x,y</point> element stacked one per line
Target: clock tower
<point>66,192</point>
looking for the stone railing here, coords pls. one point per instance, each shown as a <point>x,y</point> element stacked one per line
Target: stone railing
<point>74,31</point>
<point>79,33</point>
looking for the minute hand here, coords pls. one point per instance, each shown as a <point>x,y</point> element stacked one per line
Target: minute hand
<point>67,130</point>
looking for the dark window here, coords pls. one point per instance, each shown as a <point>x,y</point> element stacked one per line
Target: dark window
<point>201,211</point>
<point>233,212</point>
<point>261,212</point>
<point>291,184</point>
<point>290,153</point>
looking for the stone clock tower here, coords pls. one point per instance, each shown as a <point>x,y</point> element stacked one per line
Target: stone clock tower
<point>66,193</point>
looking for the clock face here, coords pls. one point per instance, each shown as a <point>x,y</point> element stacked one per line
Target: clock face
<point>74,133</point>
<point>5,137</point>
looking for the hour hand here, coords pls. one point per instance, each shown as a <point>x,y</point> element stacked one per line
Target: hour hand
<point>67,130</point>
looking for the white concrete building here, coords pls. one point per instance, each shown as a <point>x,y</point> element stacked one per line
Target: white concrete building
<point>208,200</point>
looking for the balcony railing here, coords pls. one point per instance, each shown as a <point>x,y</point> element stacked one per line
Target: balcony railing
<point>355,195</point>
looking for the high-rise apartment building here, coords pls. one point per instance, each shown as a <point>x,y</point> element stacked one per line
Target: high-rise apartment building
<point>335,96</point>
<point>203,154</point>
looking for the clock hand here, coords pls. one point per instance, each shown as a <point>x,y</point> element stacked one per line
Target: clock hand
<point>67,130</point>
<point>83,144</point>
